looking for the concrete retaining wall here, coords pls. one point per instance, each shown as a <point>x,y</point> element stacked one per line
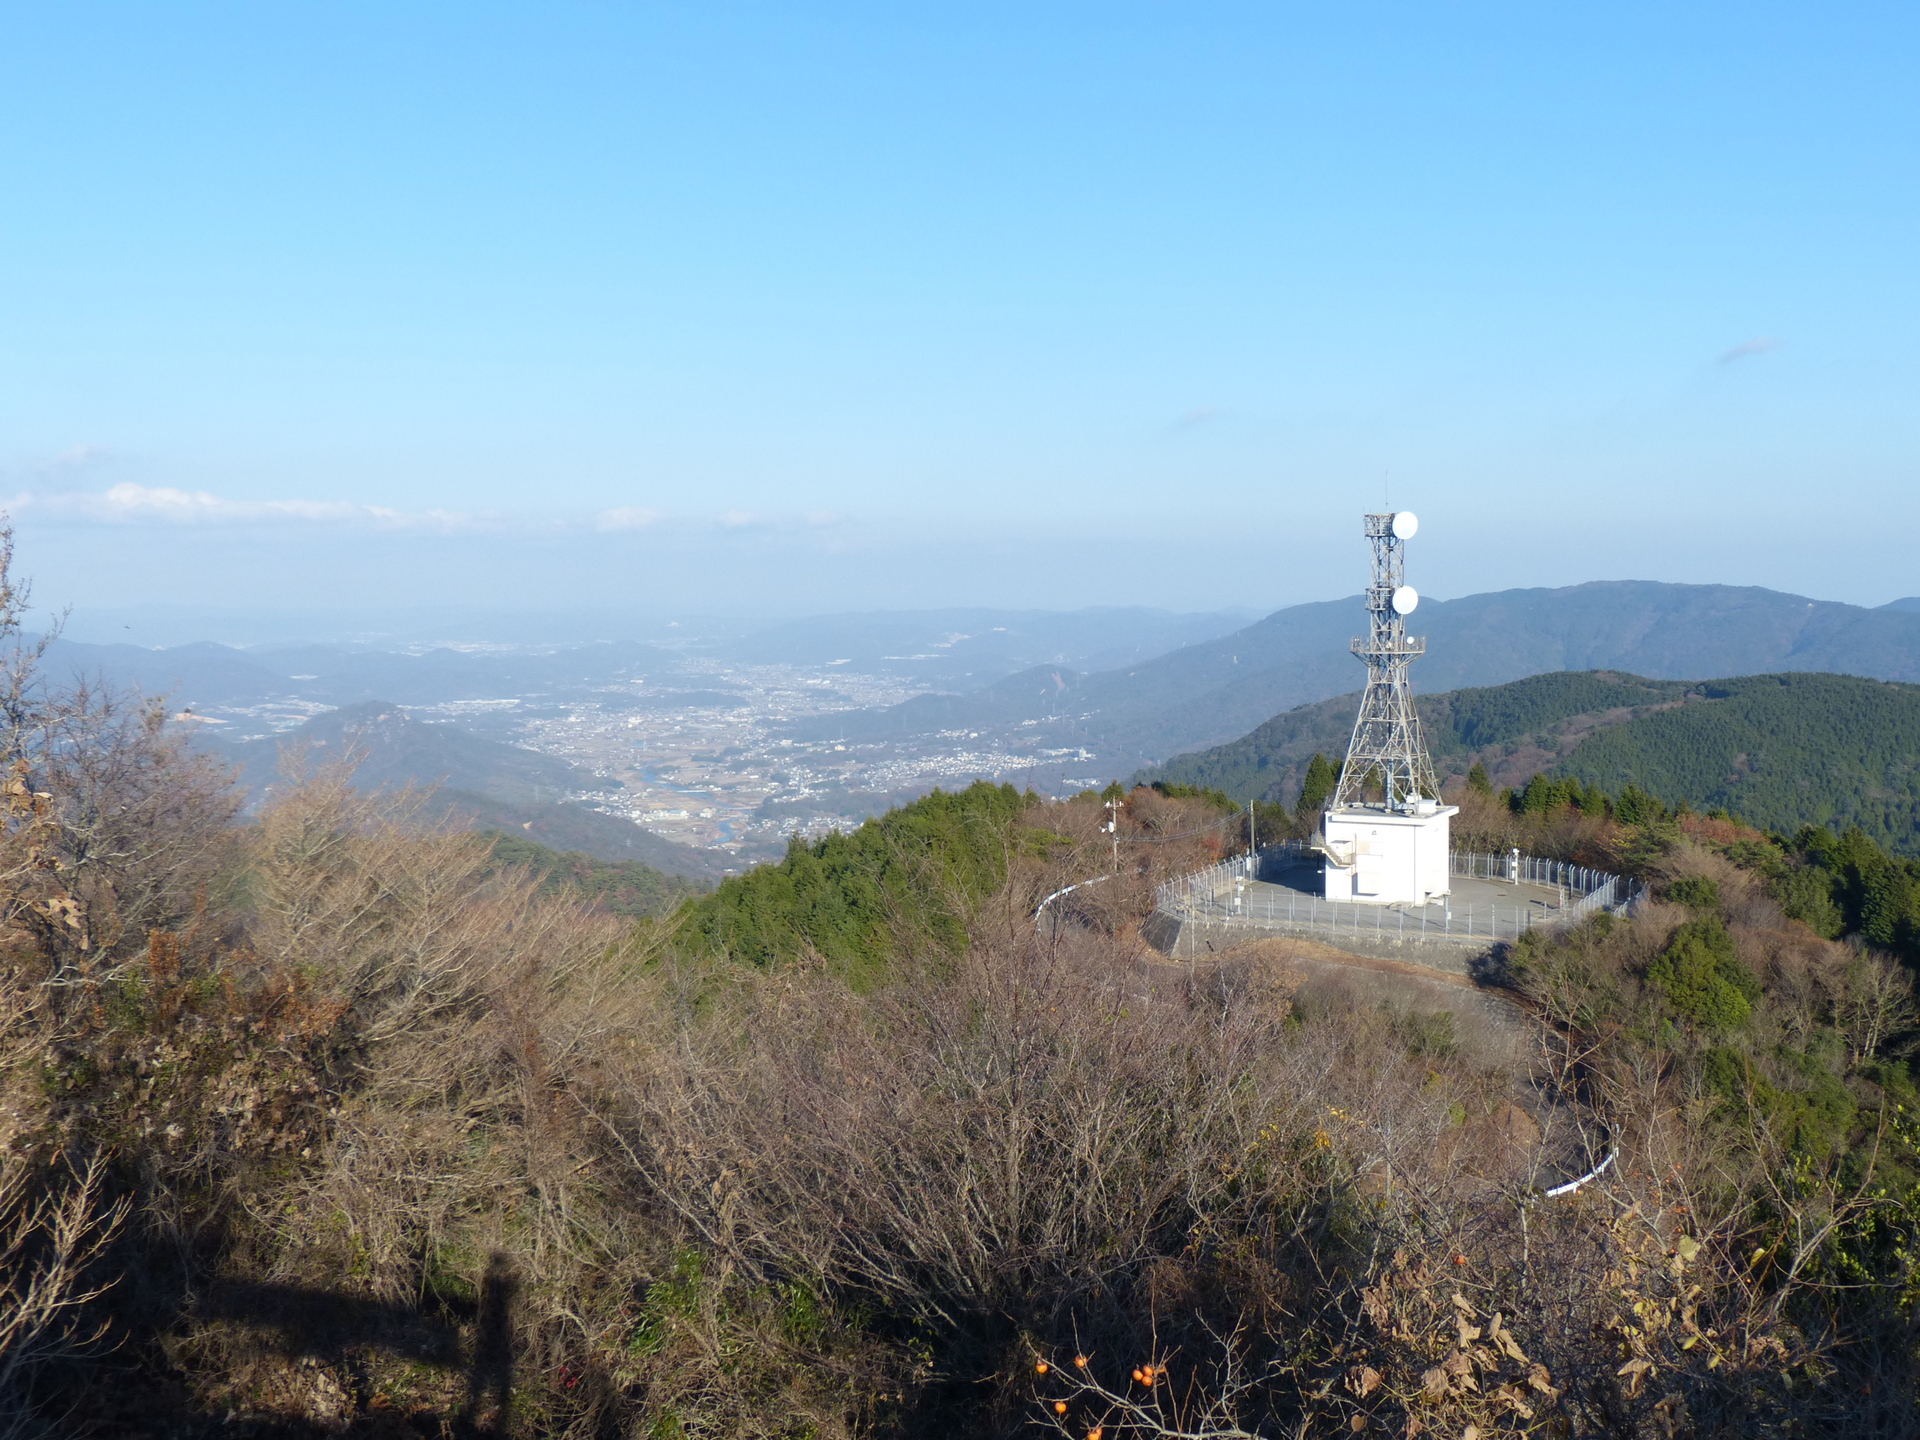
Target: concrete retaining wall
<point>1176,938</point>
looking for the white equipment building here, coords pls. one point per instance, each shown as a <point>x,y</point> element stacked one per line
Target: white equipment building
<point>1384,837</point>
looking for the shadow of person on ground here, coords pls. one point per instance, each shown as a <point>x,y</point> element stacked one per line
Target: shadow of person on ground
<point>490,1383</point>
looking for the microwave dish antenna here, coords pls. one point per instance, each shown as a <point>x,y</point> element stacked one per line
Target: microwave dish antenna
<point>1386,733</point>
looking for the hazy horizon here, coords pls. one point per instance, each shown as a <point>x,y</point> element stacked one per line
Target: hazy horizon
<point>160,625</point>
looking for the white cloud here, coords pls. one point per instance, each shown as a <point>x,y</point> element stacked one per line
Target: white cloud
<point>128,503</point>
<point>627,517</point>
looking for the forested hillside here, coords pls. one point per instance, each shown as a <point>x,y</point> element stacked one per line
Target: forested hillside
<point>1780,751</point>
<point>1527,720</point>
<point>910,881</point>
<point>615,887</point>
<point>852,899</point>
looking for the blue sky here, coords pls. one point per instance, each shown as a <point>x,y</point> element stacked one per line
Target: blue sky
<point>830,306</point>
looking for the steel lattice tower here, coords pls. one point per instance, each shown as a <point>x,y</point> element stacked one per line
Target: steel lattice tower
<point>1386,734</point>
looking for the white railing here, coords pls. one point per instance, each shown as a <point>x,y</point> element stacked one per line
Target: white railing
<point>1223,894</point>
<point>1040,911</point>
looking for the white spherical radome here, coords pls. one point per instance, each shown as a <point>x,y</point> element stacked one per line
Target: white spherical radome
<point>1404,599</point>
<point>1405,524</point>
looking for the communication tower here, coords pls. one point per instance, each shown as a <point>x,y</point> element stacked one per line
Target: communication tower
<point>1386,733</point>
<point>1394,848</point>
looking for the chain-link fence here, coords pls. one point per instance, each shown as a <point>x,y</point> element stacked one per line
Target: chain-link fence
<point>1224,895</point>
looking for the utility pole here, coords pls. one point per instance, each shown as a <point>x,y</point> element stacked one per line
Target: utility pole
<point>1113,829</point>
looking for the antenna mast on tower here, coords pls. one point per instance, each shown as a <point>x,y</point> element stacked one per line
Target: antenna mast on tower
<point>1386,733</point>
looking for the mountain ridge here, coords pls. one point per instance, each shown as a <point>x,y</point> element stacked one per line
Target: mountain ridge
<point>1214,691</point>
<point>1780,750</point>
<point>481,783</point>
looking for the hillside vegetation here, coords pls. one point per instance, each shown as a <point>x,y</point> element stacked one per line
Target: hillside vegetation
<point>910,881</point>
<point>616,887</point>
<point>1462,728</point>
<point>1781,751</point>
<point>850,898</point>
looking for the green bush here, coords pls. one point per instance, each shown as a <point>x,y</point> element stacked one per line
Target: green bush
<point>619,887</point>
<point>1702,978</point>
<point>1805,893</point>
<point>1812,1113</point>
<point>1218,799</point>
<point>1696,892</point>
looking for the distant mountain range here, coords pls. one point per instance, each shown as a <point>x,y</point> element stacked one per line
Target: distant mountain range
<point>959,648</point>
<point>1780,750</point>
<point>952,647</point>
<point>1101,700</point>
<point>488,784</point>
<point>1208,693</point>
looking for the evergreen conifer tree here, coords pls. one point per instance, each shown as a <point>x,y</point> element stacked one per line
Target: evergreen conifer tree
<point>1319,783</point>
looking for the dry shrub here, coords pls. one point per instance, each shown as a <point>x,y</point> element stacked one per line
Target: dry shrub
<point>1486,824</point>
<point>1038,1138</point>
<point>55,1222</point>
<point>463,999</point>
<point>332,1129</point>
<point>1657,1302</point>
<point>1161,838</point>
<point>113,826</point>
<point>717,1200</point>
